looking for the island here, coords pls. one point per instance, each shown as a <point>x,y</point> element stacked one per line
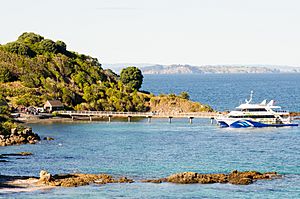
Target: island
<point>41,75</point>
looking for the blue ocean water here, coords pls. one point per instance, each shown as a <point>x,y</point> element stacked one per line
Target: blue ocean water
<point>224,92</point>
<point>142,150</point>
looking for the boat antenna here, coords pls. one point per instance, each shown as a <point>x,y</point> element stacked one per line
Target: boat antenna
<point>251,95</point>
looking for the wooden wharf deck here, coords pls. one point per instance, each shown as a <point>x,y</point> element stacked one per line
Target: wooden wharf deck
<point>129,115</point>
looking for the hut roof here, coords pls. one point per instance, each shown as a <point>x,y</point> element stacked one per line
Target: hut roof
<point>55,103</point>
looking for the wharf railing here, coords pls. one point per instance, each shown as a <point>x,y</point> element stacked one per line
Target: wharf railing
<point>148,115</point>
<point>138,114</point>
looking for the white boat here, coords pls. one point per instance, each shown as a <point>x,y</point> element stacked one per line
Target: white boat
<point>265,114</point>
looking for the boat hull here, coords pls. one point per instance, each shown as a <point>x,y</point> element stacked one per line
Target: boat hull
<point>250,123</point>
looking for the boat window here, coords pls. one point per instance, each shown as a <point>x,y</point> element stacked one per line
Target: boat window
<point>251,110</point>
<point>278,110</point>
<point>256,110</point>
<point>284,116</point>
<point>252,116</point>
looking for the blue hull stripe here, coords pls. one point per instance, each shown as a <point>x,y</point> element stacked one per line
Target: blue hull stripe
<point>249,123</point>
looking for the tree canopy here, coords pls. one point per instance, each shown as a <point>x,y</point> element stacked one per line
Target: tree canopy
<point>34,69</point>
<point>132,77</point>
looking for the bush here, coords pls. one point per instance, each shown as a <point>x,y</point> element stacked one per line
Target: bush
<point>47,46</point>
<point>184,95</point>
<point>19,48</point>
<point>30,38</point>
<point>5,75</point>
<point>61,46</point>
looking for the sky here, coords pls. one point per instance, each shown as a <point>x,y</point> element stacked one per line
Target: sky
<point>196,32</point>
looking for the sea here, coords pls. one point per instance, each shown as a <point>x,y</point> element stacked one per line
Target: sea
<point>142,150</point>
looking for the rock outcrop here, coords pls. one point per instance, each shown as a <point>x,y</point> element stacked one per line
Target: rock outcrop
<point>45,177</point>
<point>46,180</point>
<point>16,137</point>
<point>78,179</point>
<point>235,177</point>
<point>170,104</point>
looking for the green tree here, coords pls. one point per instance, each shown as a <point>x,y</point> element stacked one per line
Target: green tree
<point>19,48</point>
<point>47,46</point>
<point>132,77</point>
<point>31,80</point>
<point>5,75</point>
<point>30,38</point>
<point>4,109</point>
<point>61,46</point>
<point>80,79</point>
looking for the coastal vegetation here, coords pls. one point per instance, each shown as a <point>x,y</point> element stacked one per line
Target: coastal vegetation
<point>35,69</point>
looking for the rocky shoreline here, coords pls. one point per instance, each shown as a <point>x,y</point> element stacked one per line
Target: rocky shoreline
<point>46,180</point>
<point>17,137</point>
<point>235,177</point>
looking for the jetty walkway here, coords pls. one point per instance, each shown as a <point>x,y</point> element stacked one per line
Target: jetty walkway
<point>129,115</point>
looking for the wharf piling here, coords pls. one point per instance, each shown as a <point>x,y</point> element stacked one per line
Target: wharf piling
<point>130,115</point>
<point>149,119</point>
<point>170,119</point>
<point>191,120</point>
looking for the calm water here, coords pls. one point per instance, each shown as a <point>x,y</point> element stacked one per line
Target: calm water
<point>140,150</point>
<point>224,92</point>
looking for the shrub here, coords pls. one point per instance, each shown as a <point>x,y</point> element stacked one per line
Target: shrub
<point>5,75</point>
<point>184,95</point>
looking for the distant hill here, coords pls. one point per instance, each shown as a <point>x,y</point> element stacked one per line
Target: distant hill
<point>188,69</point>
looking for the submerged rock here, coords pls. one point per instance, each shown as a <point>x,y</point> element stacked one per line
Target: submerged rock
<point>48,138</point>
<point>23,153</point>
<point>235,177</point>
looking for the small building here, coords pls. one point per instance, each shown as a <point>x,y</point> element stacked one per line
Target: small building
<point>53,105</point>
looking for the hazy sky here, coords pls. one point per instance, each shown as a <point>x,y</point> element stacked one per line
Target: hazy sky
<point>193,32</point>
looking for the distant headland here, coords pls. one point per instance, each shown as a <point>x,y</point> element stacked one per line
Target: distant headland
<point>208,69</point>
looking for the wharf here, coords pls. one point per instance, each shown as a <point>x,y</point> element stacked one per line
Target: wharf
<point>129,115</point>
